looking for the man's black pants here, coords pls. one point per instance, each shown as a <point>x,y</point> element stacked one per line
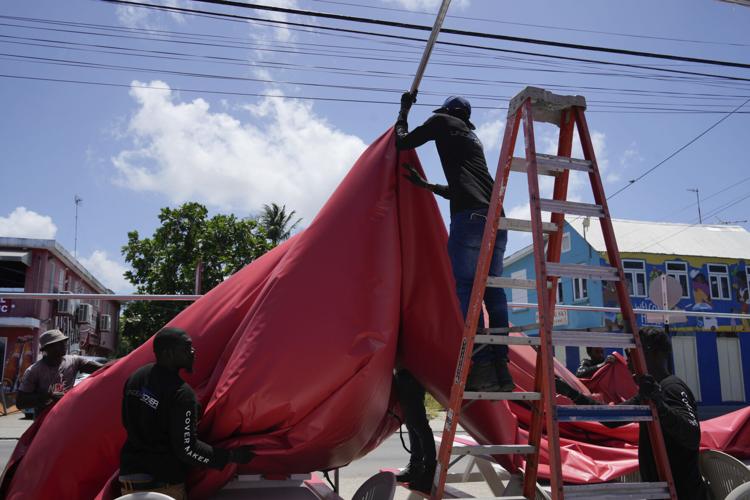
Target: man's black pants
<point>411,398</point>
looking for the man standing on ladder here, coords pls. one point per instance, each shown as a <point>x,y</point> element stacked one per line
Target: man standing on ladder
<point>469,190</point>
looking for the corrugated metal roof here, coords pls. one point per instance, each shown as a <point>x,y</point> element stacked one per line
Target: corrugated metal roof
<point>702,240</point>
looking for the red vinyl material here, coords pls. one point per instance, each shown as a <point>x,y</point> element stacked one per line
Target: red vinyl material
<point>295,355</point>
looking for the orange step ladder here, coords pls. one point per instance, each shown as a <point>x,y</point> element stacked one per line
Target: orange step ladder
<point>567,112</point>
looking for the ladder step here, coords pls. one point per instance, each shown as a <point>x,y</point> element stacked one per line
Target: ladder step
<point>617,491</point>
<point>604,413</point>
<point>506,340</point>
<point>607,273</point>
<point>551,164</point>
<point>493,449</point>
<point>525,225</point>
<point>503,396</point>
<point>592,339</point>
<point>571,207</point>
<point>500,282</point>
<point>514,328</point>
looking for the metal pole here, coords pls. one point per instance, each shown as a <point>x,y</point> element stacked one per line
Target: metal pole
<point>77,200</point>
<point>430,44</point>
<point>698,197</point>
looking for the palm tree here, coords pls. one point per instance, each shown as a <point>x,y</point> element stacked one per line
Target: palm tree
<point>277,223</point>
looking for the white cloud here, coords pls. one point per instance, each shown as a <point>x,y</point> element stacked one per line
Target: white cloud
<point>23,223</point>
<point>108,271</point>
<point>491,134</point>
<point>277,32</point>
<point>285,153</point>
<point>429,5</point>
<point>142,17</point>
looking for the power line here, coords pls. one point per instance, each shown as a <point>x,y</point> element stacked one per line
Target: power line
<point>492,36</point>
<point>544,26</point>
<point>443,42</point>
<point>679,150</point>
<point>379,73</point>
<point>311,98</point>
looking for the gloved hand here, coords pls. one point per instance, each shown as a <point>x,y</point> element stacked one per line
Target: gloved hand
<point>564,389</point>
<point>610,359</point>
<point>241,454</point>
<point>407,99</point>
<point>649,389</point>
<point>414,176</point>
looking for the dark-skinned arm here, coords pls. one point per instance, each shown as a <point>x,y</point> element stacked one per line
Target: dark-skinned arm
<point>416,178</point>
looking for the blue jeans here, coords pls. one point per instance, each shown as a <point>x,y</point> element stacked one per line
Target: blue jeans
<point>466,231</point>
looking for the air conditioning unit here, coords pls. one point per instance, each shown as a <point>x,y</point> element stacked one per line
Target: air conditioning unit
<point>85,314</point>
<point>66,307</point>
<point>105,322</point>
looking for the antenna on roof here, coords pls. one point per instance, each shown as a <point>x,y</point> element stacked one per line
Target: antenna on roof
<point>700,217</point>
<point>77,200</point>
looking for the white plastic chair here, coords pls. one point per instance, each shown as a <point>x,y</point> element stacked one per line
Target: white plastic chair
<point>724,472</point>
<point>381,486</point>
<point>741,492</point>
<point>145,495</point>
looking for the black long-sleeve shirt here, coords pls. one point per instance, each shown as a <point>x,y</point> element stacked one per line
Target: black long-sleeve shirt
<point>160,413</point>
<point>682,435</point>
<point>461,154</point>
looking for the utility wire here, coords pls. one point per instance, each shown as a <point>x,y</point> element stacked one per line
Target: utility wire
<point>544,26</point>
<point>678,151</point>
<point>492,36</point>
<point>317,98</point>
<point>443,42</point>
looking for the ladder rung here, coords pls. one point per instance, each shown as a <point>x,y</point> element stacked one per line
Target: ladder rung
<point>514,328</point>
<point>604,413</point>
<point>506,340</point>
<point>607,273</point>
<point>571,207</point>
<point>593,339</point>
<point>524,225</point>
<point>503,396</point>
<point>493,449</point>
<point>500,282</point>
<point>617,491</point>
<point>551,164</point>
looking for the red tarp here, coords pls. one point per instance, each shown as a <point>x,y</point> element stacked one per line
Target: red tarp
<point>295,354</point>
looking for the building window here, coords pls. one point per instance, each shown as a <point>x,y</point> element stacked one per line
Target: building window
<point>519,295</point>
<point>580,289</point>
<point>718,281</point>
<point>12,276</point>
<point>559,298</point>
<point>52,276</point>
<point>635,275</point>
<point>679,271</point>
<point>566,242</point>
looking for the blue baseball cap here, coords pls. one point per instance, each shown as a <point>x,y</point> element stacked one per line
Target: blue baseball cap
<point>457,106</point>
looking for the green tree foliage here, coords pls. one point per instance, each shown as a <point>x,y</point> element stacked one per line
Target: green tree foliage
<point>166,262</point>
<point>277,223</point>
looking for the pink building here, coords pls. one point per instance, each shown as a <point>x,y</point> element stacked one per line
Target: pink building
<point>44,266</point>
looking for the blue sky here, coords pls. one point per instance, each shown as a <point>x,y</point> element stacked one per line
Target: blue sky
<point>135,145</point>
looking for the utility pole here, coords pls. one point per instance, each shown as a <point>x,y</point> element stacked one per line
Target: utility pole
<point>77,200</point>
<point>698,197</point>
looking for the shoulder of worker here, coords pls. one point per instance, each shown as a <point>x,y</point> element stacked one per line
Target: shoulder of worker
<point>33,370</point>
<point>675,386</point>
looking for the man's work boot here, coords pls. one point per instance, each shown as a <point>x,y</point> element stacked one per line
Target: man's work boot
<point>483,377</point>
<point>505,380</point>
<point>413,470</point>
<point>423,482</point>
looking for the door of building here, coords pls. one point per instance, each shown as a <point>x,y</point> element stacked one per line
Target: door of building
<point>685,355</point>
<point>730,369</point>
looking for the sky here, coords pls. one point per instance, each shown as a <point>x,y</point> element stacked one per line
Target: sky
<point>134,109</point>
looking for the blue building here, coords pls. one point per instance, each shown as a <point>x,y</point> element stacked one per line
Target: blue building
<point>712,265</point>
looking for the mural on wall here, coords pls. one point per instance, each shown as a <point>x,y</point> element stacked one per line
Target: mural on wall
<point>700,300</point>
